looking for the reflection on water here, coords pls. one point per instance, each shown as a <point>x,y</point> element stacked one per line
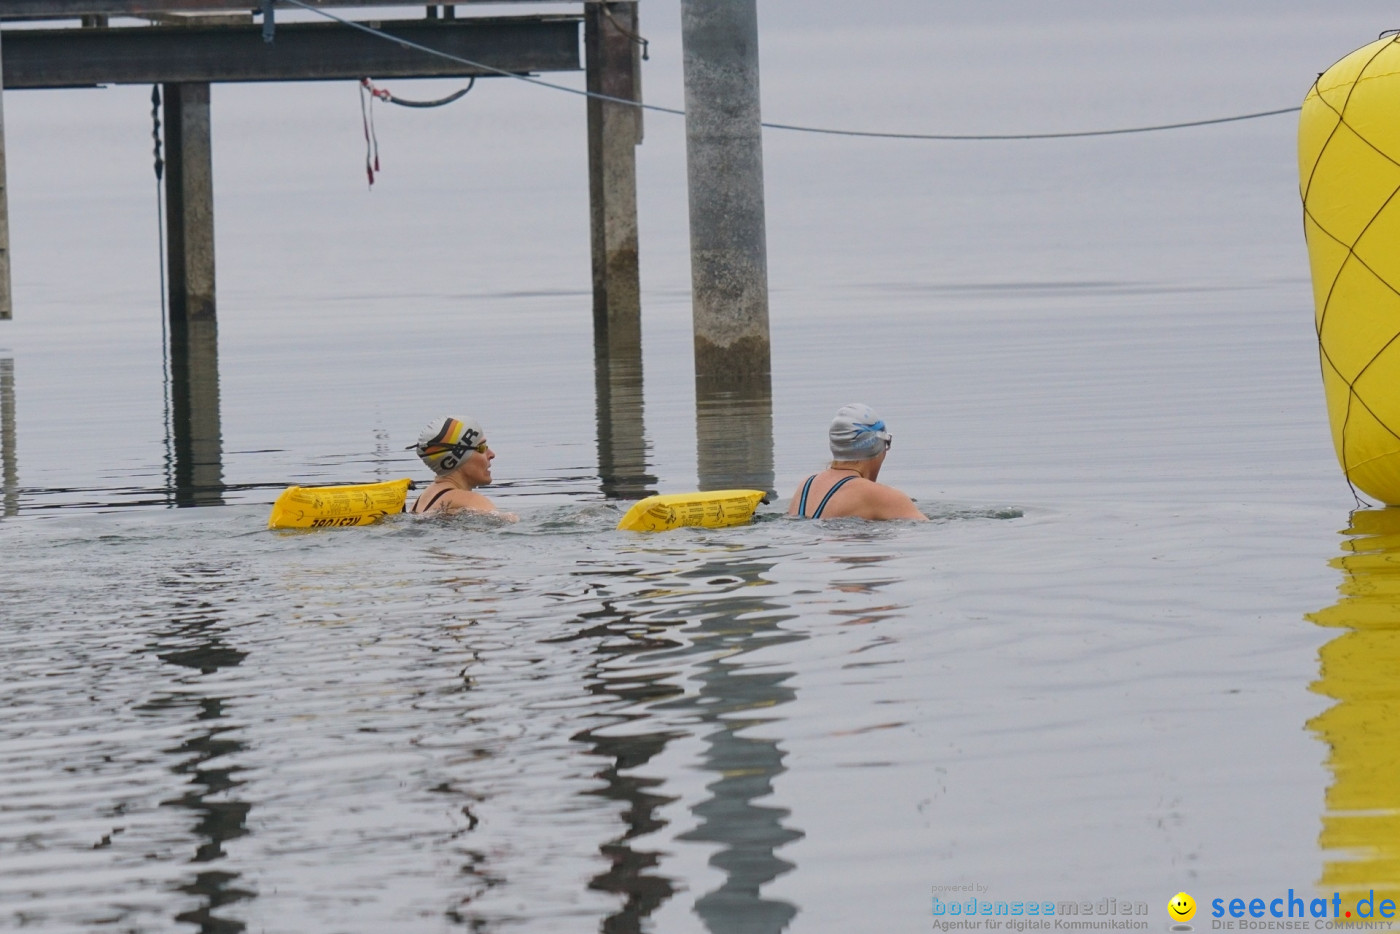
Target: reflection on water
<point>622,442</point>
<point>734,438</point>
<point>620,634</point>
<point>194,404</point>
<point>195,643</point>
<point>193,445</point>
<point>721,619</point>
<point>736,697</point>
<point>1361,825</point>
<point>9,460</point>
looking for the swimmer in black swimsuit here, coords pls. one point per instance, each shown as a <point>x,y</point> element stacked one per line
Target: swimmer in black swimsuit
<point>455,449</point>
<point>859,444</point>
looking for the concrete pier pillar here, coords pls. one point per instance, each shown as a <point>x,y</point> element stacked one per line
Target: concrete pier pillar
<point>6,302</point>
<point>724,160</point>
<point>728,245</point>
<point>189,201</point>
<point>622,442</point>
<point>194,334</point>
<point>614,131</point>
<point>734,440</point>
<point>9,457</point>
<point>196,432</point>
<point>613,63</point>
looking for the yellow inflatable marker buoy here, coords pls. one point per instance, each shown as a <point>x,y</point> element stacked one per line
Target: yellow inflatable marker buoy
<point>1349,167</point>
<point>713,509</point>
<point>322,507</point>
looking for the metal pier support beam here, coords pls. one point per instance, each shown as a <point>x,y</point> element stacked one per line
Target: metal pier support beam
<point>189,201</point>
<point>6,302</point>
<point>65,58</point>
<point>728,244</point>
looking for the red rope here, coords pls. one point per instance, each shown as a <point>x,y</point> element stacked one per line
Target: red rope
<point>367,87</point>
<point>371,137</point>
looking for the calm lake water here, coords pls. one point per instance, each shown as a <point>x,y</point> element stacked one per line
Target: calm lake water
<point>1116,664</point>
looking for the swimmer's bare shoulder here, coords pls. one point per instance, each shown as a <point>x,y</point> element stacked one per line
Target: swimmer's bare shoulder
<point>463,501</point>
<point>455,501</point>
<point>885,502</point>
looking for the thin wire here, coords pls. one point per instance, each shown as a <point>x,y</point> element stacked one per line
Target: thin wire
<point>797,128</point>
<point>1004,136</point>
<point>409,44</point>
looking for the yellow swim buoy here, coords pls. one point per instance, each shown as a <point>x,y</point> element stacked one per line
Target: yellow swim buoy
<point>713,509</point>
<point>1349,168</point>
<point>323,507</point>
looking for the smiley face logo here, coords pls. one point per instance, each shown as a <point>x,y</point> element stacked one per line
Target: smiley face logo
<point>1182,907</point>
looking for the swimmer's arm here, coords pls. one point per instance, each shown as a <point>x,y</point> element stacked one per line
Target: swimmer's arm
<point>890,503</point>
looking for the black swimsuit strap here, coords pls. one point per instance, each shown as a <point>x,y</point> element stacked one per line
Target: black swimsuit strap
<point>436,496</point>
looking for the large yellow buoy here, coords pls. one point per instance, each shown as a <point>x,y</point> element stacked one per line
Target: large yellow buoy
<point>1349,167</point>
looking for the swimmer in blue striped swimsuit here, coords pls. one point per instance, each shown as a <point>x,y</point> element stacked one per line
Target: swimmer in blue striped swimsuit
<point>859,443</point>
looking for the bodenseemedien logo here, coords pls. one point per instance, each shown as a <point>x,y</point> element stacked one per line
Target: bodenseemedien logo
<point>986,914</point>
<point>974,907</point>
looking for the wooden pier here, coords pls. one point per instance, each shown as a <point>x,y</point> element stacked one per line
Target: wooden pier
<point>184,46</point>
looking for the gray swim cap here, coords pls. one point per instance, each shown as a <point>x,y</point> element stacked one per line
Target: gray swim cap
<point>857,433</point>
<point>446,441</point>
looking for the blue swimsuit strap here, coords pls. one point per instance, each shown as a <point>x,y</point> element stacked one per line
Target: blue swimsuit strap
<point>829,493</point>
<point>802,505</point>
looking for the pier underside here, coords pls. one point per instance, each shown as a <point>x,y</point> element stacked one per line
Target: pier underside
<point>185,46</point>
